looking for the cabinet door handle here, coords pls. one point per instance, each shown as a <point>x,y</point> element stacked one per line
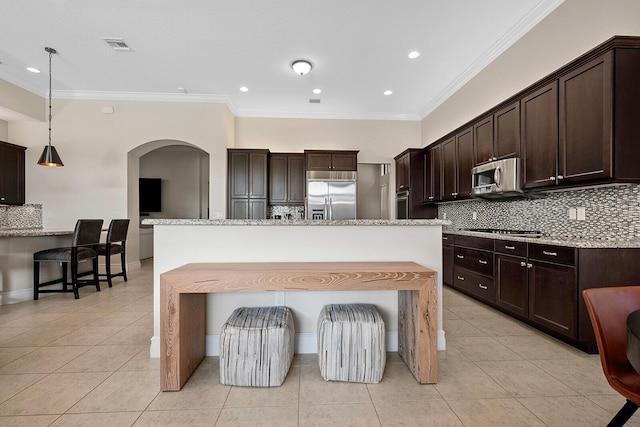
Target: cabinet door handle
<point>430,197</point>
<point>550,253</point>
<point>460,256</point>
<point>1,198</point>
<point>445,238</point>
<point>461,278</point>
<point>552,178</point>
<point>523,264</point>
<point>529,265</point>
<point>511,248</point>
<point>483,286</point>
<point>481,261</point>
<point>560,177</point>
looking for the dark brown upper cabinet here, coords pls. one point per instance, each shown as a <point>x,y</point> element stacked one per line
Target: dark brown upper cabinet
<point>449,169</point>
<point>433,174</point>
<point>403,171</point>
<point>321,160</point>
<point>506,132</point>
<point>457,162</point>
<point>410,176</point>
<point>286,178</point>
<point>11,174</point>
<point>483,150</point>
<point>247,171</point>
<point>539,112</point>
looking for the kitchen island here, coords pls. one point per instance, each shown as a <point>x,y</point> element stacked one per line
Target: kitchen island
<point>183,241</point>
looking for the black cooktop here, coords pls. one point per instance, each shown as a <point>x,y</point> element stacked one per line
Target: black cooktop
<point>529,233</point>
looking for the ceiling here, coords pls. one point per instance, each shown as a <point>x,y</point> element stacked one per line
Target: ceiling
<point>211,48</point>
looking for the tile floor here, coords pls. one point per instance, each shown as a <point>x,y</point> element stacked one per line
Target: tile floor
<point>66,362</point>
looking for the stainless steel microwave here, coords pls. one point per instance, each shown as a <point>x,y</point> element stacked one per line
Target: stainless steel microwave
<point>500,178</point>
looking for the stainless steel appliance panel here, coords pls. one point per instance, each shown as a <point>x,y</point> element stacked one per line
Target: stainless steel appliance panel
<point>342,200</point>
<point>331,196</point>
<point>402,205</point>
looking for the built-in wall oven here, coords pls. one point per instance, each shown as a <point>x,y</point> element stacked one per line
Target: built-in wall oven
<point>402,205</point>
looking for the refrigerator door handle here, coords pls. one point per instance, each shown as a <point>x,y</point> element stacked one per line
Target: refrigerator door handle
<point>325,209</point>
<point>330,208</point>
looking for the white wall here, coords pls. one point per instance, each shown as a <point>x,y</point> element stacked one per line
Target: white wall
<point>4,131</point>
<point>572,29</point>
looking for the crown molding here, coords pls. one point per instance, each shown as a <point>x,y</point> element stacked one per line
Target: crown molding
<point>525,24</point>
<point>328,116</point>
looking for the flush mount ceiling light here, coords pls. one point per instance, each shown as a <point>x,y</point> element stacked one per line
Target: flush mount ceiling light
<point>244,89</point>
<point>301,66</point>
<point>33,70</point>
<point>414,54</point>
<point>388,92</point>
<point>50,156</point>
<point>317,91</point>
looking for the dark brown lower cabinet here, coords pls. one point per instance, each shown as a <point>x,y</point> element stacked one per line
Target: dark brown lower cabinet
<point>553,297</point>
<point>512,285</point>
<point>447,260</point>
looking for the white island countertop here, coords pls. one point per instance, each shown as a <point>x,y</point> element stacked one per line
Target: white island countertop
<point>344,222</point>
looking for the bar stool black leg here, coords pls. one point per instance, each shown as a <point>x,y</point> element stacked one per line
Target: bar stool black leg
<point>36,279</point>
<point>108,265</point>
<point>95,274</point>
<point>74,278</point>
<point>123,261</point>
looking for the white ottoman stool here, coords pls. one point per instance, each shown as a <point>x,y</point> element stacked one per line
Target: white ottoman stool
<point>256,346</point>
<point>351,343</point>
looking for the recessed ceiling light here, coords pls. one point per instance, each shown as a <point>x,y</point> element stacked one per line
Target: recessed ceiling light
<point>414,54</point>
<point>33,70</point>
<point>244,89</point>
<point>388,92</point>
<point>317,91</point>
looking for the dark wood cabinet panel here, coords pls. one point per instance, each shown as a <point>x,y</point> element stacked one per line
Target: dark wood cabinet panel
<point>449,171</point>
<point>11,174</point>
<point>433,172</point>
<point>539,120</point>
<point>247,184</point>
<point>483,141</point>
<point>475,260</point>
<point>410,176</point>
<point>447,259</point>
<point>286,178</point>
<point>512,285</point>
<point>482,287</point>
<point>553,297</point>
<point>403,172</point>
<point>321,160</point>
<point>585,108</point>
<point>506,122</point>
<point>464,163</point>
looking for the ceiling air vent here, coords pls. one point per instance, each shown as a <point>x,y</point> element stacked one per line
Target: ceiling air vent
<point>314,101</point>
<point>117,44</point>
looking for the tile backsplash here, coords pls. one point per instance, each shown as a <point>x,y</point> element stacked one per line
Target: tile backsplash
<point>20,217</point>
<point>286,212</point>
<point>611,212</point>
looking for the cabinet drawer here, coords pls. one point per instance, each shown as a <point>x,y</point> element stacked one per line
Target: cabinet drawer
<point>475,242</point>
<point>549,253</point>
<point>448,239</point>
<point>510,247</point>
<point>474,260</point>
<point>480,286</point>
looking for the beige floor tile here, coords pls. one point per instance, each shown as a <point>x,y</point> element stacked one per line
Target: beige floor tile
<point>537,347</point>
<point>561,411</point>
<point>43,360</point>
<point>394,357</point>
<point>494,412</point>
<point>117,318</point>
<point>28,421</point>
<point>474,312</point>
<point>54,394</point>
<point>399,385</point>
<point>454,298</point>
<point>449,315</point>
<point>38,337</point>
<point>355,414</point>
<point>285,395</point>
<point>102,358</point>
<point>111,419</point>
<point>314,390</point>
<point>131,335</point>
<point>9,354</point>
<point>524,379</point>
<point>34,320</point>
<point>202,391</point>
<point>77,319</point>
<point>582,375</point>
<point>281,416</point>
<point>142,362</point>
<point>499,326</point>
<point>146,320</point>
<point>10,385</point>
<point>451,353</point>
<point>458,379</point>
<point>310,359</point>
<point>87,335</point>
<point>418,414</point>
<point>7,333</point>
<point>612,403</point>
<point>178,418</point>
<point>483,348</point>
<point>122,391</point>
<point>461,328</point>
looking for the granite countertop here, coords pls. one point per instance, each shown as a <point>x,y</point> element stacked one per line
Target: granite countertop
<point>575,242</point>
<point>33,232</point>
<point>297,222</point>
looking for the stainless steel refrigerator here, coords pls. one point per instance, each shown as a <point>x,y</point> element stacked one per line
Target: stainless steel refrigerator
<point>331,195</point>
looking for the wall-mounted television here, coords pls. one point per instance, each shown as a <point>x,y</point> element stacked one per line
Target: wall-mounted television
<point>150,191</point>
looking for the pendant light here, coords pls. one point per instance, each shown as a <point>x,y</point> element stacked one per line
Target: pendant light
<point>50,156</point>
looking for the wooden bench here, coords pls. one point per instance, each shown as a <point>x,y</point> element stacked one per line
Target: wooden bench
<point>183,314</point>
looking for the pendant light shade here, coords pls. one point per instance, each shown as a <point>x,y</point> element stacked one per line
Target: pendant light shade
<point>50,156</point>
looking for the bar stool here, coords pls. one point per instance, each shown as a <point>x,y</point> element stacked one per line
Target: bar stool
<point>85,236</point>
<point>115,244</point>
